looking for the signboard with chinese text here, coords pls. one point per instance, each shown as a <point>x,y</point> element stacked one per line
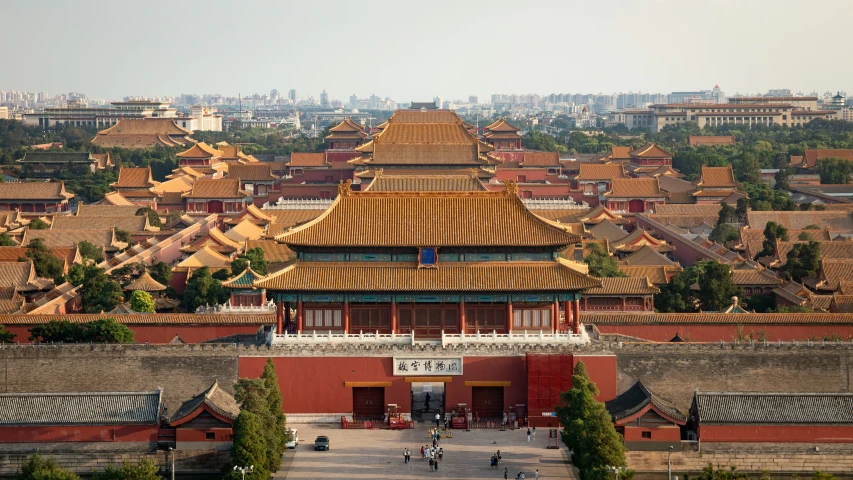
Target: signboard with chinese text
<point>410,366</point>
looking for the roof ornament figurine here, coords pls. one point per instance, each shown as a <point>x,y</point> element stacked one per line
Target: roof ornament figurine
<point>345,188</point>
<point>511,188</point>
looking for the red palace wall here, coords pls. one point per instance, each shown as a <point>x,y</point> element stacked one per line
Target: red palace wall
<point>669,433</point>
<point>328,394</point>
<point>727,333</point>
<point>48,434</point>
<point>776,433</point>
<point>341,157</point>
<point>193,435</point>
<point>163,333</point>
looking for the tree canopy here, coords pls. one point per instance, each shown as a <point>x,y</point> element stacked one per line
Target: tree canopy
<point>588,428</point>
<point>153,217</point>
<point>98,292</point>
<point>803,260</point>
<point>37,467</point>
<point>772,232</point>
<point>6,336</point>
<point>103,330</point>
<point>90,250</point>
<point>202,289</point>
<point>601,264</point>
<point>253,255</point>
<point>141,301</point>
<point>834,170</point>
<point>47,264</point>
<point>144,470</point>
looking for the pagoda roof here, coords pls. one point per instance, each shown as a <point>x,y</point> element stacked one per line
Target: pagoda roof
<point>717,177</point>
<point>253,214</point>
<point>146,283</point>
<point>206,257</point>
<point>501,125</point>
<point>427,219</point>
<point>600,172</point>
<point>424,117</point>
<point>255,172</point>
<point>143,133</point>
<point>245,230</point>
<point>449,276</point>
<point>217,188</point>
<point>650,150</point>
<point>216,236</point>
<point>201,150</point>
<point>619,153</point>
<point>185,171</point>
<point>606,229</point>
<point>425,183</point>
<point>637,400</point>
<point>601,213</point>
<point>246,279</point>
<point>635,188</point>
<point>647,256</point>
<point>657,275</point>
<point>637,239</point>
<point>347,125</point>
<point>134,177</point>
<point>221,404</point>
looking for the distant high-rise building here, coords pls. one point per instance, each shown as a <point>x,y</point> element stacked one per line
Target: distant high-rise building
<point>292,95</point>
<point>438,101</point>
<point>472,99</point>
<point>274,96</point>
<point>779,92</point>
<point>324,99</point>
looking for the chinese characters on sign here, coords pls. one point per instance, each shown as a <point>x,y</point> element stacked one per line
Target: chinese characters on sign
<point>427,366</point>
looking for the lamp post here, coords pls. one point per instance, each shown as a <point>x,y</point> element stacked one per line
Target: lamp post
<point>243,470</point>
<point>669,464</point>
<point>172,451</point>
<point>616,471</point>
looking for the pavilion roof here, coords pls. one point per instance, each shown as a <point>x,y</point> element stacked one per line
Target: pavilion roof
<point>252,172</point>
<point>215,398</point>
<point>245,279</point>
<point>134,177</point>
<point>637,398</point>
<point>34,191</point>
<point>146,283</point>
<point>449,276</point>
<point>217,188</point>
<point>717,177</point>
<point>623,286</point>
<point>635,188</point>
<point>600,171</point>
<point>201,150</point>
<point>67,409</point>
<point>501,125</point>
<point>427,219</point>
<point>726,408</point>
<point>206,257</point>
<point>425,183</point>
<point>650,150</point>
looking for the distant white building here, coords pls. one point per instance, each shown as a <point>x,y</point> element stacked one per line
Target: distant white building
<point>79,114</point>
<point>4,113</point>
<point>201,119</point>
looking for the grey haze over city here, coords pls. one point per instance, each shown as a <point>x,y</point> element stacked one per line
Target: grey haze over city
<point>415,50</point>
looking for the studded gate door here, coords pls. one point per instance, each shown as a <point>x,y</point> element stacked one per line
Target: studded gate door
<point>368,403</point>
<point>488,401</point>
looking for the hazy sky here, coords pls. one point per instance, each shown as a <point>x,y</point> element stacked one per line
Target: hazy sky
<point>414,50</point>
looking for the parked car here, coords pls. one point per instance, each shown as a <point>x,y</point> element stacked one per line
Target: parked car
<point>292,438</point>
<point>321,443</point>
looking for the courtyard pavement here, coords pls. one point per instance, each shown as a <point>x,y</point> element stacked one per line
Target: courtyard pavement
<point>378,454</point>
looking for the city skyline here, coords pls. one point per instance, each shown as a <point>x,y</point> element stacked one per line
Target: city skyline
<point>437,49</point>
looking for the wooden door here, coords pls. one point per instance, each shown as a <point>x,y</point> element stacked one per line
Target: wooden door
<point>429,321</point>
<point>488,401</point>
<point>215,206</point>
<point>368,403</point>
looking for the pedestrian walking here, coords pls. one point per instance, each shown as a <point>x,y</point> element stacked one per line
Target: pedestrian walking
<point>431,465</point>
<point>506,471</point>
<point>426,401</point>
<point>528,435</point>
<point>493,463</point>
<point>441,453</point>
<point>518,476</point>
<point>406,456</point>
<point>536,475</point>
<point>534,433</point>
<point>436,464</point>
<point>437,420</point>
<point>499,456</point>
<point>425,449</point>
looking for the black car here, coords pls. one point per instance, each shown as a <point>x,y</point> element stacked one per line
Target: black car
<point>321,443</point>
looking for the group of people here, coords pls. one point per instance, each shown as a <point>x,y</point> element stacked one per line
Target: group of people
<point>432,454</point>
<point>495,461</point>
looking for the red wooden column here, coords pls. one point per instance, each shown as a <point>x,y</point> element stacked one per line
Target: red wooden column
<point>509,316</point>
<point>346,316</point>
<point>393,316</point>
<point>462,317</point>
<point>576,317</point>
<point>287,314</point>
<point>299,316</point>
<point>567,307</point>
<point>555,315</point>
<point>623,304</point>
<point>279,317</point>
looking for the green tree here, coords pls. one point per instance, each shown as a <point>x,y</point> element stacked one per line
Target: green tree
<point>90,250</point>
<point>253,395</point>
<point>274,404</point>
<point>716,288</point>
<point>781,178</point>
<point>76,274</point>
<point>772,232</point>
<point>99,293</point>
<point>747,167</point>
<point>57,331</point>
<point>253,255</point>
<point>677,296</point>
<point>37,467</point>
<point>803,261</point>
<point>834,170</point>
<point>741,208</point>
<point>588,428</point>
<point>141,301</point>
<point>6,336</point>
<point>727,214</point>
<point>161,271</point>
<point>249,447</point>
<point>46,263</point>
<point>6,240</point>
<point>153,217</point>
<point>601,264</point>
<point>203,289</point>
<point>123,236</point>
<point>38,224</point>
<point>144,470</point>
<point>723,233</point>
<point>107,330</point>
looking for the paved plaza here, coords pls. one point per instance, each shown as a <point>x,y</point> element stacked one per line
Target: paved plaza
<point>378,454</point>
